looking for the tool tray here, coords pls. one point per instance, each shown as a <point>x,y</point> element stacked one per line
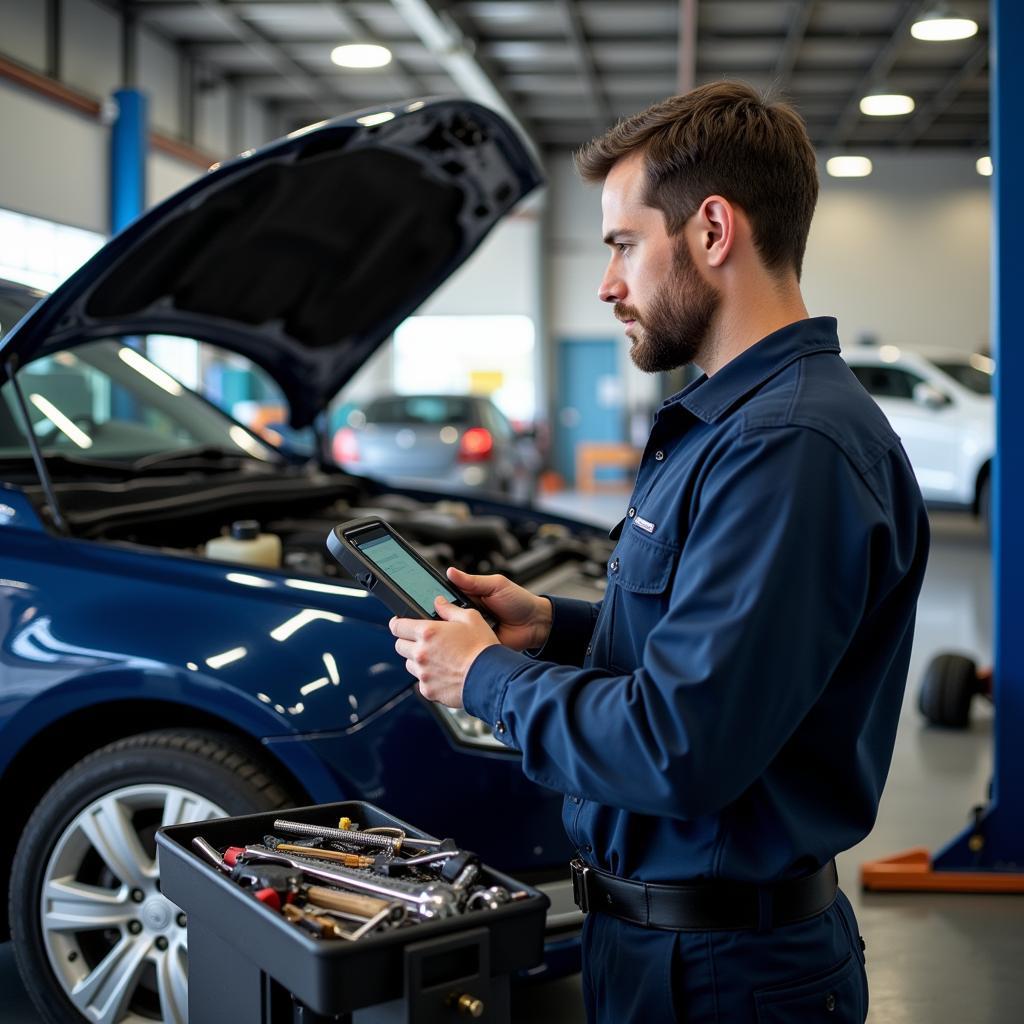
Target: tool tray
<point>245,958</point>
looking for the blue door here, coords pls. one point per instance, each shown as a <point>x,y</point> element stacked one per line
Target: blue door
<point>590,399</point>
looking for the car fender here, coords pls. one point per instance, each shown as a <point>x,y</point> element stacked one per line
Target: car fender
<point>155,683</point>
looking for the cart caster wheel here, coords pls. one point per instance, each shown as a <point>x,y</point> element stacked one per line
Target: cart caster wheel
<point>949,684</point>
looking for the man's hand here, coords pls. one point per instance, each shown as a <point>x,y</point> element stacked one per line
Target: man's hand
<point>439,654</point>
<point>524,620</point>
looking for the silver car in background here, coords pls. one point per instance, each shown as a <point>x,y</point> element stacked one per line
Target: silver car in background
<point>458,442</point>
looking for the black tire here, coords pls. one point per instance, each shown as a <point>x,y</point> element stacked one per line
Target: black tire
<point>220,775</point>
<point>949,684</point>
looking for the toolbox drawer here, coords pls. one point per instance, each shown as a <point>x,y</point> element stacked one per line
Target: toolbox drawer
<point>255,943</point>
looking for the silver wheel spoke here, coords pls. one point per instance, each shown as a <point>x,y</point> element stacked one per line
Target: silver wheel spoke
<point>103,994</point>
<point>76,896</point>
<point>172,983</point>
<point>109,828</point>
<point>73,906</point>
<point>181,807</point>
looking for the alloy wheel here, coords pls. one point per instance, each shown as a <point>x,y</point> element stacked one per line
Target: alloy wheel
<point>114,942</point>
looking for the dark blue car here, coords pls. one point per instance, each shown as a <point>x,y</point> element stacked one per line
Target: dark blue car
<point>145,680</point>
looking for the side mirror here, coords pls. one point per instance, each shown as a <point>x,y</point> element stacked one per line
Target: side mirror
<point>930,397</point>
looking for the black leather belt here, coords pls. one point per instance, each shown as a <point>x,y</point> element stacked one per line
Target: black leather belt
<point>704,906</point>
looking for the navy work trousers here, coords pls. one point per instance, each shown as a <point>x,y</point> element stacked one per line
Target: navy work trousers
<point>810,971</point>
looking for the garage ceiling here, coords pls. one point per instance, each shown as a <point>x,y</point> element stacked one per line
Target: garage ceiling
<point>569,68</point>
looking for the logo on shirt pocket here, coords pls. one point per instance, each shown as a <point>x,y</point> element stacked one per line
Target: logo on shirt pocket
<point>644,524</point>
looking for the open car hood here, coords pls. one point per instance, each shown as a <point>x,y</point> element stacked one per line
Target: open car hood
<point>304,255</point>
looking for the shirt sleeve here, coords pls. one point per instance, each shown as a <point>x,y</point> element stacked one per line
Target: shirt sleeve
<point>772,585</point>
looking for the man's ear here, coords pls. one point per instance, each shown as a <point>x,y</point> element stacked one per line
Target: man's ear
<point>717,224</point>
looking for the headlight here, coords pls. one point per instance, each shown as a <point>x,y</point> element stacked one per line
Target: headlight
<point>469,731</point>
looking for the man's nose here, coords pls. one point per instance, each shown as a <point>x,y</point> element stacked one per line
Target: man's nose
<point>612,288</point>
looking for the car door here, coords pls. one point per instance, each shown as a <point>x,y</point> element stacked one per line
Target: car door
<point>931,434</point>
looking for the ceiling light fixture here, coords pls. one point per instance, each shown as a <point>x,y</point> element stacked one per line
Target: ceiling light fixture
<point>848,166</point>
<point>983,165</point>
<point>941,25</point>
<point>361,55</point>
<point>886,104</point>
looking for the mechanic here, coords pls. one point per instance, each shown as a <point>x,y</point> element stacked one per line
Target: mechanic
<point>723,721</point>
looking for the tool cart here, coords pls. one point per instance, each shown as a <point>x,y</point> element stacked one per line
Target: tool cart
<point>309,915</point>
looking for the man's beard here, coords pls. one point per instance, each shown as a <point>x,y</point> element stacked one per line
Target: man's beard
<point>676,325</point>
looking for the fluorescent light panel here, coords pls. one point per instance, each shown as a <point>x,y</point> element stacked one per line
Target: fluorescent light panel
<point>888,104</point>
<point>938,28</point>
<point>848,166</point>
<point>361,55</point>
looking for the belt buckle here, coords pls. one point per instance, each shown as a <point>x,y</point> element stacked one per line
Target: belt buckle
<point>580,870</point>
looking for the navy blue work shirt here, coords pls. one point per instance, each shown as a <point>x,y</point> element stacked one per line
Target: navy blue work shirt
<point>729,709</point>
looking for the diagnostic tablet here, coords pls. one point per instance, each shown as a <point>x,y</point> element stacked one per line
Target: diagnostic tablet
<point>378,557</point>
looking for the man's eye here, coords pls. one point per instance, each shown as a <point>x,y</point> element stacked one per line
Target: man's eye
<point>624,247</point>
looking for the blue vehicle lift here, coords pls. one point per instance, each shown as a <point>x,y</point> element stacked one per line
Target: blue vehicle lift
<point>989,855</point>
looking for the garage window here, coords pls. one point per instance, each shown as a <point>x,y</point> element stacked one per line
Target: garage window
<point>41,253</point>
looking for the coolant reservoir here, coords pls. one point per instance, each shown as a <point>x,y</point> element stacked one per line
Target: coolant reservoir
<point>246,545</point>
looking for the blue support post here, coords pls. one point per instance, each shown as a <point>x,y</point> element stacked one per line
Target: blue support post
<point>997,844</point>
<point>129,135</point>
<point>989,856</point>
<point>128,144</point>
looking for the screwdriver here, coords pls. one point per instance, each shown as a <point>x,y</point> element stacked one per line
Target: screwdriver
<point>350,860</point>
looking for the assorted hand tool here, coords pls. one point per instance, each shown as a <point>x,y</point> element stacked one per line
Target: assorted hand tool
<point>330,885</point>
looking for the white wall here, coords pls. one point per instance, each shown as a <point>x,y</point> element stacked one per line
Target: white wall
<point>159,70</point>
<point>904,254</point>
<point>166,175</point>
<point>90,47</point>
<point>53,163</point>
<point>213,125</point>
<point>24,32</point>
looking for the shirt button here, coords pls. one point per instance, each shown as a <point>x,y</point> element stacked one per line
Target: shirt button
<point>588,848</point>
<point>590,647</point>
<point>631,513</point>
<point>574,799</point>
<point>830,1002</point>
<point>659,456</point>
<point>614,565</point>
<point>499,727</point>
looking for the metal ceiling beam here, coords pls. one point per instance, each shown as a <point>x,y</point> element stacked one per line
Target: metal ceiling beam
<point>686,71</point>
<point>942,100</point>
<point>455,49</point>
<point>802,14</point>
<point>578,40</point>
<point>882,65</point>
<point>328,102</point>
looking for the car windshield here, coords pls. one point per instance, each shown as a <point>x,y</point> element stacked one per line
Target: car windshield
<point>426,409</point>
<point>105,401</point>
<point>974,377</point>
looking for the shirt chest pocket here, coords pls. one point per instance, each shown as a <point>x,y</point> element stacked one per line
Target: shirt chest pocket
<point>639,577</point>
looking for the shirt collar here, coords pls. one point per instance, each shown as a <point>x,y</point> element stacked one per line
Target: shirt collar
<point>709,397</point>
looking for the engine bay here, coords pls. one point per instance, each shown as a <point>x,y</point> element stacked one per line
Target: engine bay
<point>183,511</point>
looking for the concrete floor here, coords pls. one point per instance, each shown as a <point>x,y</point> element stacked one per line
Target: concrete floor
<point>932,959</point>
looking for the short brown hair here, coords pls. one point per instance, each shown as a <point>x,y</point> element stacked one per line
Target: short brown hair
<point>724,138</point>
